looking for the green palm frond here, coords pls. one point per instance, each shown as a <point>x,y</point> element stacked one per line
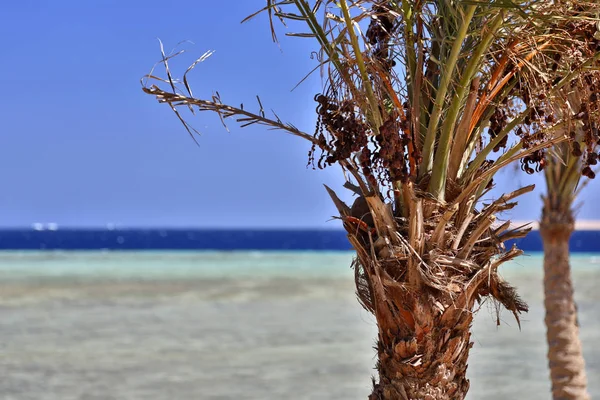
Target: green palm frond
<point>574,100</point>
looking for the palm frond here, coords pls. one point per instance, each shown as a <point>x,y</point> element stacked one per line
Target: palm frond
<point>418,98</point>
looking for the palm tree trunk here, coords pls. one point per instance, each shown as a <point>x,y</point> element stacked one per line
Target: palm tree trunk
<point>423,293</point>
<point>430,366</point>
<point>565,358</point>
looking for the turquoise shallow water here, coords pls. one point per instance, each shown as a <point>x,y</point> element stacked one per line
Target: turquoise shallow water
<point>211,264</point>
<point>238,325</point>
<point>174,264</point>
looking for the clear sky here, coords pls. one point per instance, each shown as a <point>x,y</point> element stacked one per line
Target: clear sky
<point>81,145</point>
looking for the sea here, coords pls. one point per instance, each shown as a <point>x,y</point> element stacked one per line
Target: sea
<point>44,238</point>
<point>188,314</point>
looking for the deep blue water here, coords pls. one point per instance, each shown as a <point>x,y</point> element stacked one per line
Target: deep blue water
<point>197,239</point>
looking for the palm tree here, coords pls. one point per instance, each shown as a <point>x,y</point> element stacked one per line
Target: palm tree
<point>420,96</point>
<point>565,165</point>
<point>565,356</point>
<point>563,174</point>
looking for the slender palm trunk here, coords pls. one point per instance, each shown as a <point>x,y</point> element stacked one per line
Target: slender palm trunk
<point>565,358</point>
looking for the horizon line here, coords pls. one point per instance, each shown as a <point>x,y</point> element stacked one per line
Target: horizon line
<point>580,225</point>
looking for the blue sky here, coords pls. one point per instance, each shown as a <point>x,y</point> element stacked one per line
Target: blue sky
<point>81,145</point>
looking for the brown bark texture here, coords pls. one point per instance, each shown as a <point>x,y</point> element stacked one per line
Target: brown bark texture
<point>565,355</point>
<point>421,277</point>
<point>429,365</point>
